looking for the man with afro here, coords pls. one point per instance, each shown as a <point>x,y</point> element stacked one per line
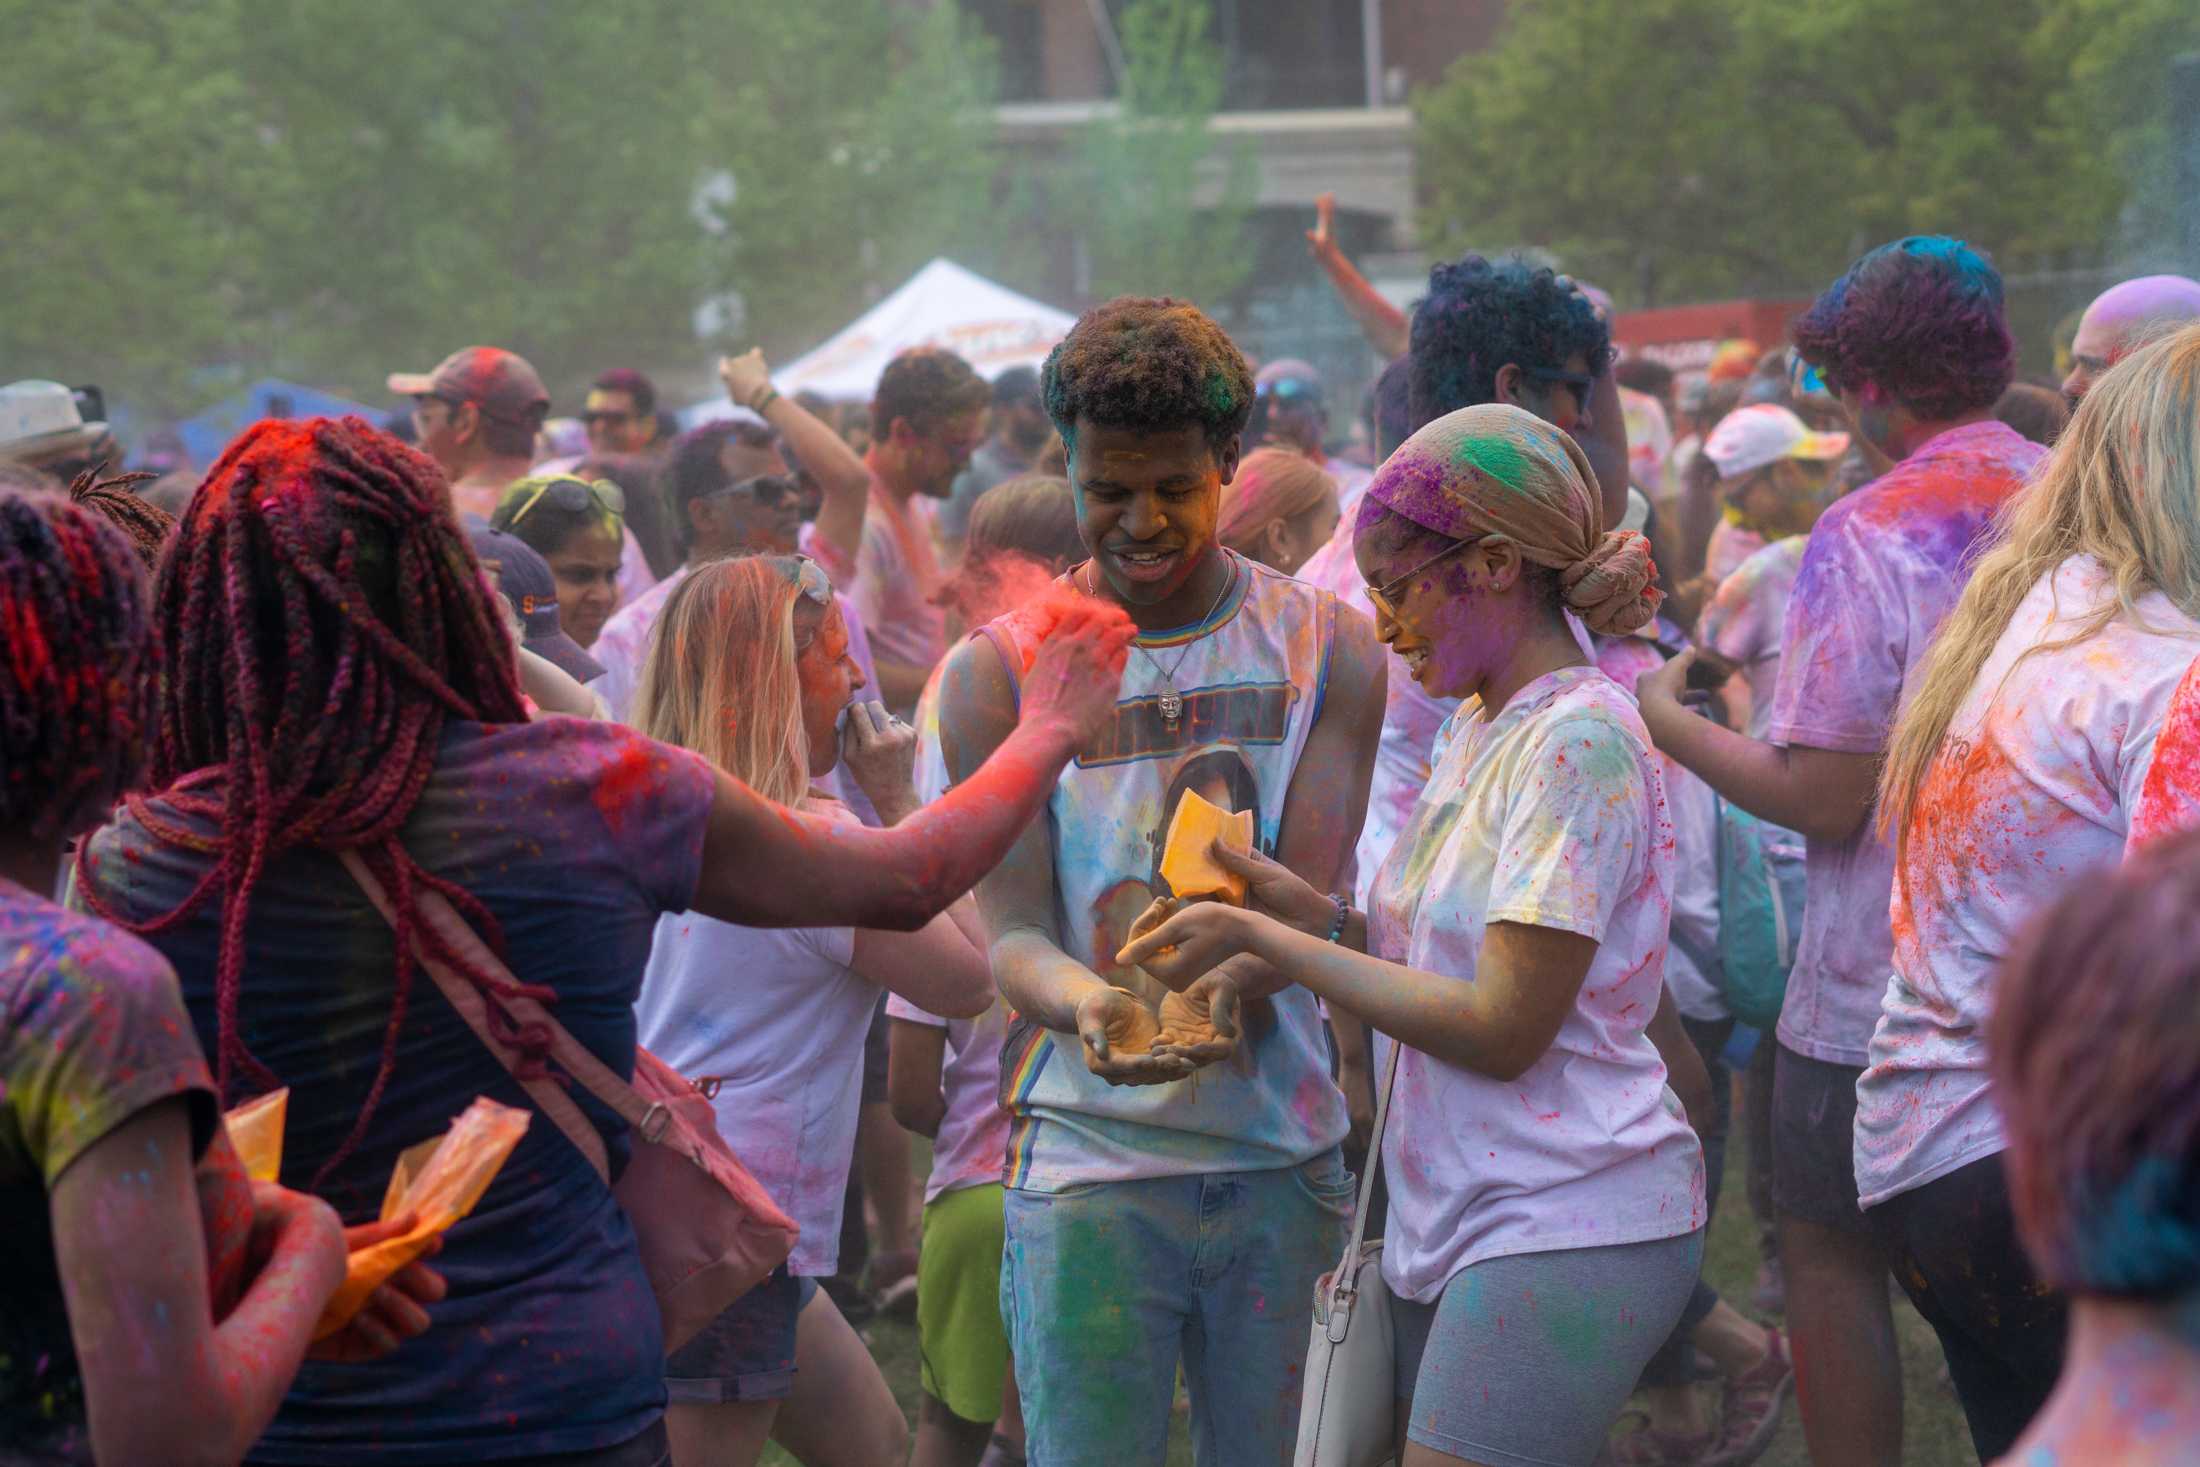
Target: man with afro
<point>1174,1184</point>
<point>1914,344</point>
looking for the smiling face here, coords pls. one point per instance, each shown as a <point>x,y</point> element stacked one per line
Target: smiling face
<point>1454,611</point>
<point>587,570</point>
<point>1147,504</point>
<point>829,678</point>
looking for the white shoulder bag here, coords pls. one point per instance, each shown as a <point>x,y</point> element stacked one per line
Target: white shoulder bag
<point>1347,1417</point>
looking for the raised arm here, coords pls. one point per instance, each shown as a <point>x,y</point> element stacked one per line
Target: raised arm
<point>1384,325</point>
<point>1039,980</point>
<point>838,469</point>
<point>162,1381</point>
<point>767,866</point>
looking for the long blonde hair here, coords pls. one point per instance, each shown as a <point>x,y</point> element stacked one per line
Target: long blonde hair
<point>2120,486</point>
<point>721,679</point>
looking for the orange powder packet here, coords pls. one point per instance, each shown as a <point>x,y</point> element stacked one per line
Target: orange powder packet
<point>1185,860</point>
<point>439,1181</point>
<point>256,1131</point>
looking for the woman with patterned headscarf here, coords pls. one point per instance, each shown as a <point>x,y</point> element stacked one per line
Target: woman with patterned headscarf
<point>1513,950</point>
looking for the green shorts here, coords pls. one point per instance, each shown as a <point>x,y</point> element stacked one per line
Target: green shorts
<point>959,1333</point>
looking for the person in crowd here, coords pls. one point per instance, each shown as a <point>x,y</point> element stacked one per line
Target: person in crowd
<point>1513,948</point>
<point>620,413</point>
<point>338,680</point>
<point>116,1178</point>
<point>944,1073</point>
<point>1914,342</point>
<point>1279,509</point>
<point>1382,323</point>
<point>2121,319</point>
<point>750,668</point>
<point>1291,411</point>
<point>1152,1221</point>
<point>145,525</point>
<point>529,588</point>
<point>2012,773</point>
<point>43,427</point>
<point>925,420</point>
<point>1774,477</point>
<point>2094,1050</point>
<point>578,527</point>
<point>725,487</point>
<point>2039,413</point>
<point>476,414</point>
<point>1016,429</point>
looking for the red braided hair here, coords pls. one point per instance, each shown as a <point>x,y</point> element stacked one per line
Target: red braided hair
<point>326,616</point>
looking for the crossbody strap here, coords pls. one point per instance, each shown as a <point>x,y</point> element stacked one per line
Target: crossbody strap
<point>575,1058</point>
<point>1341,1280</point>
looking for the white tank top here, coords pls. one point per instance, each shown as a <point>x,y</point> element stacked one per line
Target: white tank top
<point>1251,677</point>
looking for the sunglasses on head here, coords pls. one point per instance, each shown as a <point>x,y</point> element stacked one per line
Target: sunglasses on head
<point>574,496</point>
<point>806,576</point>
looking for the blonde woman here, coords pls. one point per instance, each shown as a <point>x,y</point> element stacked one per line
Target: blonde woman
<point>2011,777</point>
<point>749,667</point>
<point>1279,509</point>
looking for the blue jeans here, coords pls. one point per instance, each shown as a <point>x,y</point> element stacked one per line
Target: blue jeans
<point>1104,1288</point>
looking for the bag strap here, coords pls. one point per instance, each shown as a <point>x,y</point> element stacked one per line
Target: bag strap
<point>1340,1280</point>
<point>575,1058</point>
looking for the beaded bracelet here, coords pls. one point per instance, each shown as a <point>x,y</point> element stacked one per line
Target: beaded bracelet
<point>769,396</point>
<point>1344,913</point>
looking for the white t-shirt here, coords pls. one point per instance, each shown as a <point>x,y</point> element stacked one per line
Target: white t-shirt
<point>2040,767</point>
<point>1553,815</point>
<point>1882,568</point>
<point>779,1016</point>
<point>895,575</point>
<point>1746,618</point>
<point>1693,969</point>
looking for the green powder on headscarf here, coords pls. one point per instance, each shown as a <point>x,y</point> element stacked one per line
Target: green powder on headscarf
<point>1500,458</point>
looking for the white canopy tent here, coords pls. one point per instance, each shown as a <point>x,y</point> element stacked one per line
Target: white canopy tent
<point>943,305</point>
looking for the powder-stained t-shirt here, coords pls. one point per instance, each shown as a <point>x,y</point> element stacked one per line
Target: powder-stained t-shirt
<point>973,1138</point>
<point>777,1016</point>
<point>1883,567</point>
<point>2170,800</point>
<point>1747,618</point>
<point>895,575</point>
<point>1551,815</point>
<point>2027,798</point>
<point>92,1032</point>
<point>576,835</point>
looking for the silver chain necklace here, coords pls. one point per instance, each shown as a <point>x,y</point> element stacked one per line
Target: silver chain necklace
<point>1171,701</point>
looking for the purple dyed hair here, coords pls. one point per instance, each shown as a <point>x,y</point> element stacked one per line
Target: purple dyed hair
<point>1921,319</point>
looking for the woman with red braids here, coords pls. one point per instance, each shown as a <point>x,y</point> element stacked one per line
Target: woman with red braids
<point>113,1343</point>
<point>339,681</point>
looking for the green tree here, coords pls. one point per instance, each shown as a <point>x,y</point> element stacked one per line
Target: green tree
<point>1157,202</point>
<point>1679,148</point>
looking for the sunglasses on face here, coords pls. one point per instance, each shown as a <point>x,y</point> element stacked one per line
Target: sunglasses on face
<point>1580,382</point>
<point>767,491</point>
<point>1387,596</point>
<point>606,417</point>
<point>573,496</point>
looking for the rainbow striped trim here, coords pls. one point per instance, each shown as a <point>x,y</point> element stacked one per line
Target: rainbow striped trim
<point>1226,608</point>
<point>1018,1080</point>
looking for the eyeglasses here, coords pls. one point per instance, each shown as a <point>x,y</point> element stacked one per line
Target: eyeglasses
<point>806,576</point>
<point>1386,595</point>
<point>1580,382</point>
<point>572,495</point>
<point>768,490</point>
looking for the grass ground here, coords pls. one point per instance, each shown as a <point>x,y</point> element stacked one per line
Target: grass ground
<point>1933,1430</point>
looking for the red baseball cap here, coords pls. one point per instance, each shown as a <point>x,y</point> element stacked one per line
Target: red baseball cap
<point>498,382</point>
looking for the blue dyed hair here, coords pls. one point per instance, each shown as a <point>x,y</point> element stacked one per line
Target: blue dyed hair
<point>1922,319</point>
<point>1480,315</point>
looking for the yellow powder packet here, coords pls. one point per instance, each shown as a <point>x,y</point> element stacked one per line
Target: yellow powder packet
<point>1186,862</point>
<point>256,1131</point>
<point>439,1181</point>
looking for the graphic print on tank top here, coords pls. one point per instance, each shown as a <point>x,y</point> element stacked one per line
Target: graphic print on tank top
<point>1251,676</point>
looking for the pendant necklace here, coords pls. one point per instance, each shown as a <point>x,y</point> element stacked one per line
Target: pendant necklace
<point>1171,701</point>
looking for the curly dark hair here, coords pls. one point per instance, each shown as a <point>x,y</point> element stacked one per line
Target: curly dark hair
<point>1921,319</point>
<point>1480,315</point>
<point>1151,363</point>
<point>926,386</point>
